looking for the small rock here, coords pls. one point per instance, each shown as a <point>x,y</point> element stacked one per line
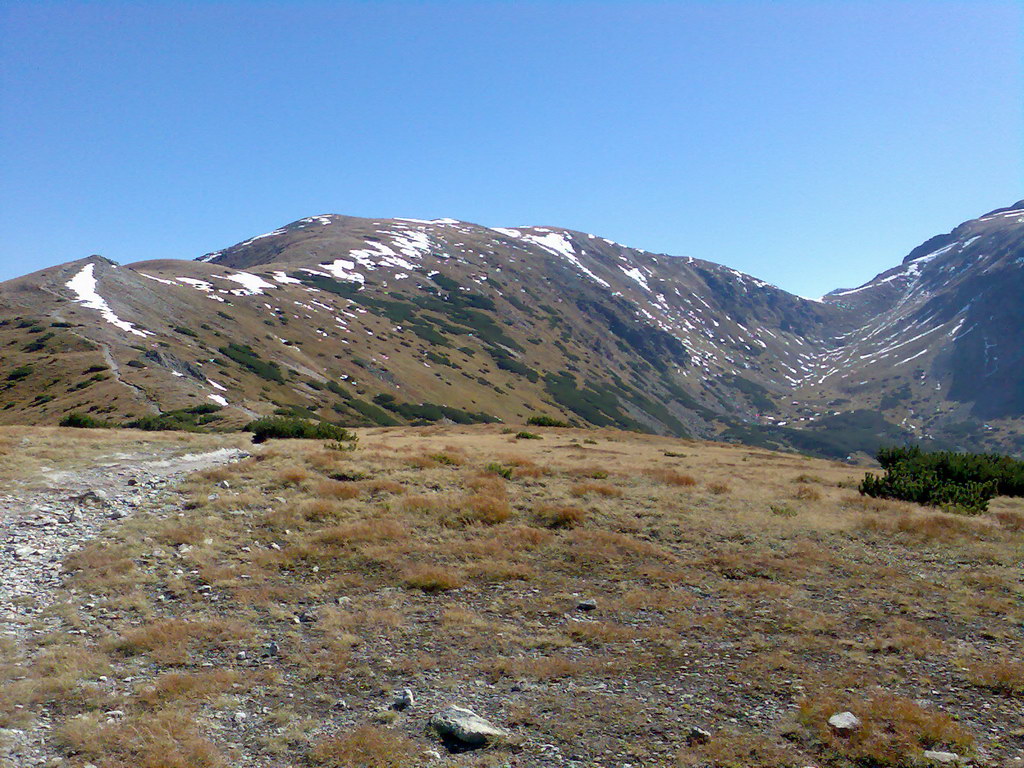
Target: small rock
<point>341,704</point>
<point>844,723</point>
<point>95,495</point>
<point>942,758</point>
<point>239,717</point>
<point>698,736</point>
<point>24,552</point>
<point>241,655</point>
<point>403,700</point>
<point>273,649</point>
<point>465,728</point>
<point>590,604</point>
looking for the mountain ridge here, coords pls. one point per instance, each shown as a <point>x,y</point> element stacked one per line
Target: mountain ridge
<point>513,321</point>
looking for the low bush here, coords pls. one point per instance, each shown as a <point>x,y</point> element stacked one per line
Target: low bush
<point>494,468</point>
<point>186,419</point>
<point>524,435</point>
<point>82,421</point>
<point>289,428</point>
<point>963,482</point>
<point>545,421</point>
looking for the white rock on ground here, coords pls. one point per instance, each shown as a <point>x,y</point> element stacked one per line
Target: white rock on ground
<point>844,723</point>
<point>942,758</point>
<point>465,726</point>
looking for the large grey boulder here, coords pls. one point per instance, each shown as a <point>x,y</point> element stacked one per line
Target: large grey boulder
<point>465,727</point>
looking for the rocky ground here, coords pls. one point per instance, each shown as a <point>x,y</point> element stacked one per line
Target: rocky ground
<point>51,514</point>
<point>586,598</point>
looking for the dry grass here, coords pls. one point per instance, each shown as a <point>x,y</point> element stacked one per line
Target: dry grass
<point>894,729</point>
<point>404,563</point>
<point>173,641</point>
<point>168,738</point>
<point>366,747</point>
<point>431,578</point>
<point>188,686</point>
<point>557,516</point>
<point>595,489</point>
<point>1004,676</point>
<point>671,477</point>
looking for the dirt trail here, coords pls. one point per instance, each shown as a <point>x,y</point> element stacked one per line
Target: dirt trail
<point>41,525</point>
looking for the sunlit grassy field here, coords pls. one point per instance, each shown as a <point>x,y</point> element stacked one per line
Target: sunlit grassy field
<point>270,618</point>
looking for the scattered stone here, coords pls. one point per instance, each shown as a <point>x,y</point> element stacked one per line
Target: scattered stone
<point>844,723</point>
<point>942,758</point>
<point>241,655</point>
<point>403,700</point>
<point>95,495</point>
<point>272,648</point>
<point>24,552</point>
<point>239,717</point>
<point>698,736</point>
<point>590,604</point>
<point>463,728</point>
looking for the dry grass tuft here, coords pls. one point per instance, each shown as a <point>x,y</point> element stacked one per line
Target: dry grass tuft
<point>335,489</point>
<point>188,686</point>
<point>164,739</point>
<point>321,510</point>
<point>671,477</point>
<point>291,476</point>
<point>170,641</point>
<point>486,508</point>
<point>894,729</point>
<point>738,750</point>
<point>553,516</point>
<point>928,526</point>
<point>718,488</point>
<point>366,747</point>
<point>1010,520</point>
<point>598,489</point>
<point>806,493</point>
<point>361,532</point>
<point>1006,677</point>
<point>431,578</point>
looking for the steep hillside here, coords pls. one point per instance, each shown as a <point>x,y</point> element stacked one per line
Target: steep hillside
<point>368,321</point>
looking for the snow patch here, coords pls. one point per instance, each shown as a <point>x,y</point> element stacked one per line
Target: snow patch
<point>560,245</point>
<point>84,286</point>
<point>251,284</point>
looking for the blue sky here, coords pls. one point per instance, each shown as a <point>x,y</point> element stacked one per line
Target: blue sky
<point>811,144</point>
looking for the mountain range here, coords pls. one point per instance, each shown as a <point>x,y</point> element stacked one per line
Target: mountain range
<point>405,321</point>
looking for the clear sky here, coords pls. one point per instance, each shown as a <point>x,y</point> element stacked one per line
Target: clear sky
<point>812,144</point>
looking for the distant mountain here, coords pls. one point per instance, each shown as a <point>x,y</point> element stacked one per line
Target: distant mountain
<point>387,321</point>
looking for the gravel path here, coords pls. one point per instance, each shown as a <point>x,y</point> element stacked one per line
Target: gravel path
<point>39,527</point>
